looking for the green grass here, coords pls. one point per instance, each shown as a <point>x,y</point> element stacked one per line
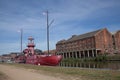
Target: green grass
<point>74,73</point>
<point>99,58</point>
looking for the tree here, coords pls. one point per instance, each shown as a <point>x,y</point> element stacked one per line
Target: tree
<point>38,51</point>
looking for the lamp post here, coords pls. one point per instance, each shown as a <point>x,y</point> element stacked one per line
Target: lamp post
<point>21,36</point>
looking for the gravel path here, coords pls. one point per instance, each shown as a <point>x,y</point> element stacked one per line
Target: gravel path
<point>15,73</point>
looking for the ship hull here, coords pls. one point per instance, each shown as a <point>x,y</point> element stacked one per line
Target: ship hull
<point>49,60</point>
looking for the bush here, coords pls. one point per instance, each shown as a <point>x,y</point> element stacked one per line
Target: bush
<point>101,58</point>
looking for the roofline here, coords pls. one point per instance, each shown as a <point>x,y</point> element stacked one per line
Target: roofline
<point>100,31</point>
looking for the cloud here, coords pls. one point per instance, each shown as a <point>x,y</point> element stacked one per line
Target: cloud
<point>9,47</point>
<point>115,26</point>
<point>71,17</point>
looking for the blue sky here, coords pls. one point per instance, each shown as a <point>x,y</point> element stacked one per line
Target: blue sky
<point>70,17</point>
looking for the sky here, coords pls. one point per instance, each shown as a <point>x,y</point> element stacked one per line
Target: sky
<point>71,17</point>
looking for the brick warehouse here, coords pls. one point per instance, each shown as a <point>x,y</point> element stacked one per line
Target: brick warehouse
<point>89,44</point>
<point>116,41</point>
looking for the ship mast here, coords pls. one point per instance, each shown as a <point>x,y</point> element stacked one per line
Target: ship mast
<point>47,31</point>
<point>48,25</point>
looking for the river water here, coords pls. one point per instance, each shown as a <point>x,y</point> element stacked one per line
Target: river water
<point>113,65</point>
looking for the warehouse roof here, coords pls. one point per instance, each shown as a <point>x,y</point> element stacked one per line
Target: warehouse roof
<point>82,36</point>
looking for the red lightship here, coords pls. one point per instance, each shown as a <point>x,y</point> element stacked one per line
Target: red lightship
<point>32,58</point>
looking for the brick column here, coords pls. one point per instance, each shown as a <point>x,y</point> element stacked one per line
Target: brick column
<point>76,54</point>
<point>93,53</point>
<point>79,54</point>
<point>83,54</point>
<point>88,53</point>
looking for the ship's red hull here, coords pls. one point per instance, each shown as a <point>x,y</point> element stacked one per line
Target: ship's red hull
<point>49,60</point>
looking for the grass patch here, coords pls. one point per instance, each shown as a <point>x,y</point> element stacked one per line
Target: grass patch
<point>99,58</point>
<point>74,73</point>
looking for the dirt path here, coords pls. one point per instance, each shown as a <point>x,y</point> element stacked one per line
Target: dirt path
<point>15,73</point>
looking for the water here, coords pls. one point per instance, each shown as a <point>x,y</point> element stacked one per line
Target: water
<point>114,65</point>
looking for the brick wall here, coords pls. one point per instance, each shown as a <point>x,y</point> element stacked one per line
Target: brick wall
<point>103,41</point>
<point>117,41</point>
